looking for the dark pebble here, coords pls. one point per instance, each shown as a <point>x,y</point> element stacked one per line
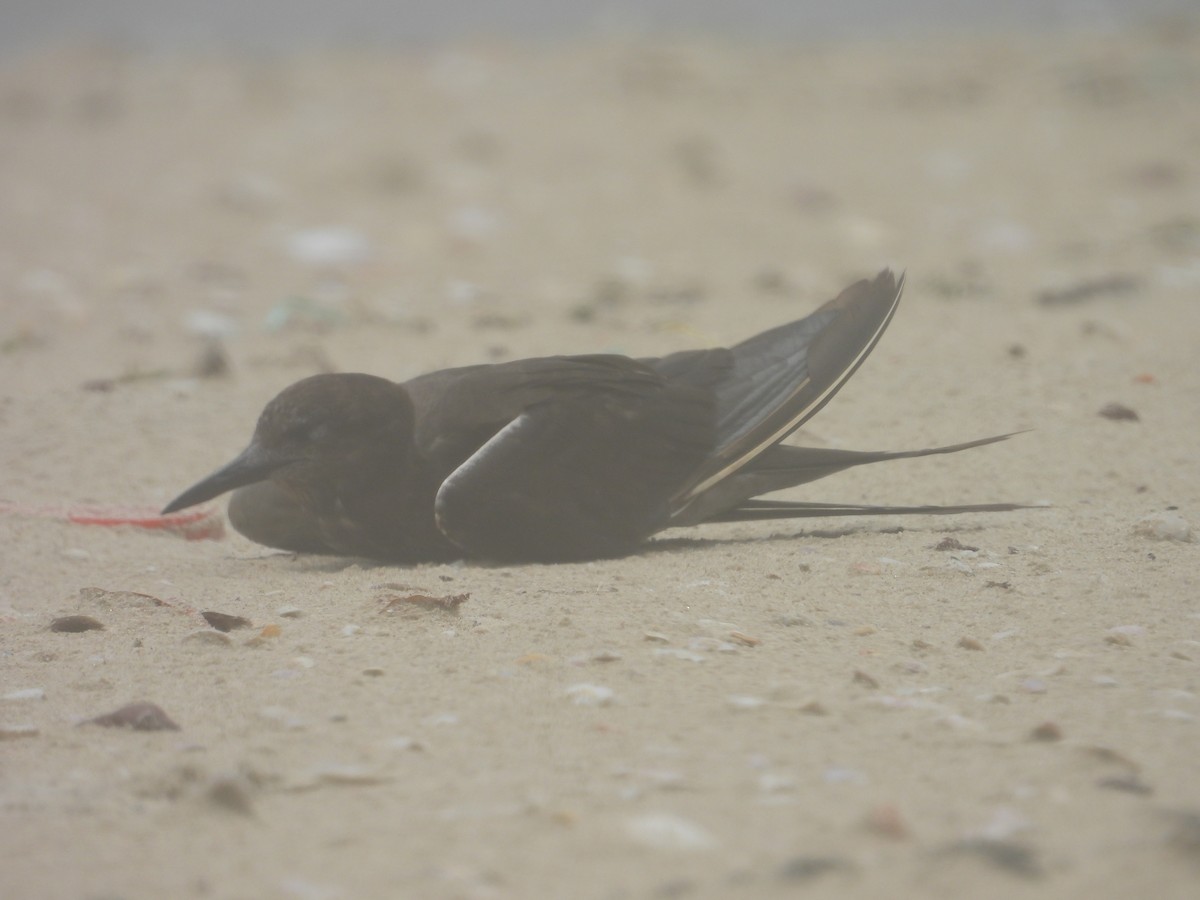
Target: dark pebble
<point>76,624</point>
<point>138,716</point>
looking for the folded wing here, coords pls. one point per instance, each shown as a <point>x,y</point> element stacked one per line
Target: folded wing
<point>570,457</point>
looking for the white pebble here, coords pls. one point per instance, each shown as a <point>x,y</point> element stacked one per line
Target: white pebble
<point>840,775</point>
<point>403,743</point>
<point>677,653</point>
<point>776,782</point>
<point>711,645</point>
<point>1165,526</point>
<point>666,831</point>
<point>283,717</point>
<point>18,731</point>
<point>585,694</point>
<point>1128,630</point>
<point>1005,823</point>
<point>474,223</point>
<point>210,324</point>
<point>744,701</point>
<point>26,694</point>
<point>1177,714</point>
<point>335,245</point>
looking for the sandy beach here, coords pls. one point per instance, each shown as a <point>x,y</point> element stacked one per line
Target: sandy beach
<point>1003,705</point>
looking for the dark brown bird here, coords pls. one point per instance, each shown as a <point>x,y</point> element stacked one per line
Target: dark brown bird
<point>558,458</point>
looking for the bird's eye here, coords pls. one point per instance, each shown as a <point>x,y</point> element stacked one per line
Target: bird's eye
<point>298,433</point>
<point>306,432</point>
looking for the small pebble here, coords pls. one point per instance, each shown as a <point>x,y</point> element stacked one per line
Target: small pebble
<point>1118,412</point>
<point>842,775</point>
<point>861,677</point>
<point>744,639</point>
<point>665,831</point>
<point>678,653</point>
<point>1019,859</point>
<point>17,731</point>
<point>1128,630</point>
<point>959,566</point>
<point>26,694</point>
<point>776,783</point>
<point>230,792</point>
<point>806,868</point>
<point>969,643</point>
<point>224,621</point>
<point>1178,715</point>
<point>210,324</point>
<point>76,624</point>
<point>283,717</point>
<point>404,743</point>
<point>952,543</point>
<point>885,820</point>
<point>346,774</point>
<point>1129,784</point>
<point>138,716</point>
<point>1047,732</point>
<point>334,245</point>
<point>585,694</point>
<point>289,612</point>
<point>1165,526</point>
<point>104,599</point>
<point>743,701</point>
<point>710,645</point>
<point>208,636</point>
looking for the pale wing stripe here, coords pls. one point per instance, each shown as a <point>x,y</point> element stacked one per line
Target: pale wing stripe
<point>795,421</point>
<point>473,461</point>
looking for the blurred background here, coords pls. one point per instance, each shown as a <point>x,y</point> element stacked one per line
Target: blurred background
<point>280,24</point>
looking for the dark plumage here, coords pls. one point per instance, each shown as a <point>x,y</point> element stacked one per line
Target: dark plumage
<point>557,458</point>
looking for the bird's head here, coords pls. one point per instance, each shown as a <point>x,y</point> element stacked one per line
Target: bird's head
<point>319,422</point>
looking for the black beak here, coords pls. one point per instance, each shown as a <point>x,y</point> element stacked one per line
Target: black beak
<point>252,465</point>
